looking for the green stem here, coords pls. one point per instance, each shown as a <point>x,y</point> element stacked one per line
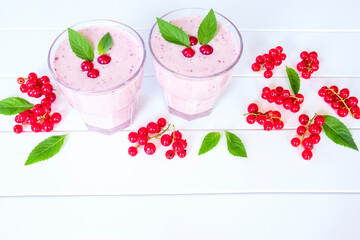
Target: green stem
<point>307,128</point>
<point>342,100</point>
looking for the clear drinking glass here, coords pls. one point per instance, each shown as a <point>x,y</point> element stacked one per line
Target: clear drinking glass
<point>104,110</point>
<point>192,97</point>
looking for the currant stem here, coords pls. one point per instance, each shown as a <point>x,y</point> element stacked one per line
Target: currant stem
<point>307,128</point>
<point>343,101</point>
<point>161,133</point>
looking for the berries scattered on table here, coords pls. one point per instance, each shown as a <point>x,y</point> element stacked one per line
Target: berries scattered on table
<point>308,65</point>
<point>341,101</point>
<point>282,96</point>
<point>270,119</point>
<point>268,61</point>
<point>39,117</point>
<point>309,132</point>
<point>159,130</point>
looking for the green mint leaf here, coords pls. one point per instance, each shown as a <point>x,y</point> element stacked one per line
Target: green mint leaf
<point>80,46</point>
<point>105,44</point>
<point>210,141</point>
<point>208,28</point>
<point>172,33</point>
<point>294,79</point>
<point>338,132</point>
<point>14,105</point>
<point>46,149</point>
<point>235,145</point>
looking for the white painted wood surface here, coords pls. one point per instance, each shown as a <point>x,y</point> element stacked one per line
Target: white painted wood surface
<point>93,190</point>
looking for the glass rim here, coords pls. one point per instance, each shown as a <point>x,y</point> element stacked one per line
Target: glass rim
<point>137,72</point>
<point>198,77</point>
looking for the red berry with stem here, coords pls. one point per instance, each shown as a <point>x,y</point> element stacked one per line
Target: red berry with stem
<point>253,108</point>
<point>304,119</point>
<point>256,67</point>
<point>94,73</point>
<point>38,109</point>
<point>206,49</point>
<point>31,119</point>
<point>87,66</point>
<point>279,49</point>
<point>32,76</point>
<point>268,125</point>
<point>166,140</point>
<point>37,93</point>
<point>306,75</point>
<point>315,138</point>
<point>278,125</point>
<point>304,55</point>
<point>36,127</point>
<point>133,137</point>
<point>357,115</point>
<point>268,74</point>
<point>342,112</point>
<point>104,59</point>
<point>354,109</point>
<point>177,146</point>
<point>308,143</point>
<point>260,119</point>
<point>142,139</point>
<point>283,56</point>
<point>182,153</point>
<point>344,93</point>
<point>299,98</point>
<point>319,120</point>
<point>322,92</point>
<point>176,135</point>
<point>260,59</point>
<point>314,129</point>
<point>250,119</point>
<point>273,52</point>
<point>51,97</point>
<point>269,66</point>
<point>334,88</point>
<point>132,151</point>
<point>285,94</point>
<point>23,88</point>
<point>20,80</point>
<point>161,122</point>
<point>184,142</point>
<point>287,104</point>
<point>45,102</point>
<point>267,57</point>
<point>314,66</point>
<point>152,127</point>
<point>295,142</point>
<point>18,129</point>
<point>149,148</point>
<point>56,117</point>
<point>295,108</point>
<point>143,131</point>
<point>31,84</point>
<point>300,66</point>
<point>352,101</point>
<point>47,126</point>
<point>45,79</point>
<point>307,154</point>
<point>277,61</point>
<point>193,40</point>
<point>301,130</point>
<point>170,154</point>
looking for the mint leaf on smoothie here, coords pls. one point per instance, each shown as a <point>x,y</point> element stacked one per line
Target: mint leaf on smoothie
<point>14,105</point>
<point>46,149</point>
<point>208,28</point>
<point>80,45</point>
<point>106,42</point>
<point>172,33</point>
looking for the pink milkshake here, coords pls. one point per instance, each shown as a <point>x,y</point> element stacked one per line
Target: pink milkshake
<point>191,86</point>
<point>106,103</point>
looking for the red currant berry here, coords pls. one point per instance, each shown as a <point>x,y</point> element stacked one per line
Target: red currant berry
<point>176,135</point>
<point>18,129</point>
<point>260,119</point>
<point>149,148</point>
<point>104,59</point>
<point>132,151</point>
<point>256,67</point>
<point>19,118</point>
<point>357,115</point>
<point>47,126</point>
<point>20,80</point>
<point>142,139</point>
<point>31,84</point>
<point>143,131</point>
<point>287,104</point>
<point>87,66</point>
<point>304,55</point>
<point>334,89</point>
<point>56,117</point>
<point>344,93</point>
<point>277,61</point>
<point>267,58</point>
<point>314,66</point>
<point>182,153</point>
<point>301,130</point>
<point>354,109</point>
<point>260,59</point>
<point>315,138</point>
<point>300,66</point>
<point>253,108</point>
<point>188,52</point>
<point>23,88</point>
<point>307,154</point>
<point>170,154</point>
<point>206,49</point>
<point>268,74</point>
<point>38,109</point>
<point>266,90</point>
<point>193,40</point>
<point>319,120</point>
<point>278,125</point>
<point>295,142</point>
<point>279,100</point>
<point>342,112</point>
<point>31,119</point>
<point>322,92</point>
<point>94,73</point>
<point>285,94</point>
<point>37,93</point>
<point>32,76</point>
<point>268,125</point>
<point>177,146</point>
<point>304,119</point>
<point>308,143</point>
<point>250,119</point>
<point>45,79</point>
<point>184,142</point>
<point>295,108</point>
<point>161,122</point>
<point>314,129</point>
<point>36,127</point>
<point>152,127</point>
<point>279,49</point>
<point>312,58</point>
<point>269,66</point>
<point>166,140</point>
<point>328,98</point>
<point>306,75</point>
<point>45,102</point>
<point>133,137</point>
<point>352,101</point>
<point>273,52</point>
<point>299,98</point>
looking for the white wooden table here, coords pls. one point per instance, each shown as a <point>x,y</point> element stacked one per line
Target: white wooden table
<point>93,190</point>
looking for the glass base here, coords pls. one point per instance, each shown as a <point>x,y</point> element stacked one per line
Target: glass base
<point>189,117</point>
<point>109,131</point>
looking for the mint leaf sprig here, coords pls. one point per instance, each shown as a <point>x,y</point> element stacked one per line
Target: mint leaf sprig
<point>80,45</point>
<point>14,105</point>
<point>234,144</point>
<point>208,28</point>
<point>105,43</point>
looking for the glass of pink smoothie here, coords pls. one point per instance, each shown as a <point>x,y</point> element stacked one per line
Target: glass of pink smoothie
<point>106,103</point>
<point>191,86</point>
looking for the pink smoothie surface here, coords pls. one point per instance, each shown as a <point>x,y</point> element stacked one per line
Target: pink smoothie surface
<point>224,44</point>
<point>126,57</point>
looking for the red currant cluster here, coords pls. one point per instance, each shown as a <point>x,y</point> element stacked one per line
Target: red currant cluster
<point>268,61</point>
<point>309,132</point>
<point>270,120</point>
<point>88,66</point>
<point>204,49</point>
<point>283,97</point>
<point>157,131</point>
<point>308,65</point>
<point>39,118</point>
<point>341,101</point>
